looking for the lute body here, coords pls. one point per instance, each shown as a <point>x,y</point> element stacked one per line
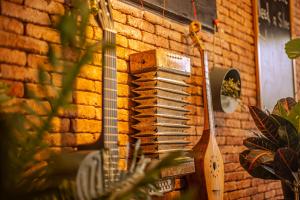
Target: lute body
<point>208,183</point>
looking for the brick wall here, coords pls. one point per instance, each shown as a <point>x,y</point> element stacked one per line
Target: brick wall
<point>26,30</point>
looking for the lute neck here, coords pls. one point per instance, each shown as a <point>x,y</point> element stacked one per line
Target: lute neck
<point>207,100</point>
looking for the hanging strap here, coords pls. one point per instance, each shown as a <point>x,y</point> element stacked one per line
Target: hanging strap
<point>194,9</point>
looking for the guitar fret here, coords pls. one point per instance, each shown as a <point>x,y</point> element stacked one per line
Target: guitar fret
<point>111,118</point>
<point>110,89</point>
<point>111,142</point>
<point>110,56</point>
<point>110,79</point>
<point>109,67</point>
<point>110,109</point>
<point>110,126</point>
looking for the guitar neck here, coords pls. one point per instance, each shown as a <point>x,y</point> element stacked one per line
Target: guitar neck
<point>109,96</point>
<point>207,100</point>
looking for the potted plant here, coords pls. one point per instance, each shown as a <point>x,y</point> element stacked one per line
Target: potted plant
<point>230,93</point>
<point>274,152</point>
<point>225,88</point>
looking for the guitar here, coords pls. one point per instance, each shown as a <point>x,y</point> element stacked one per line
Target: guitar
<point>209,165</point>
<point>105,161</point>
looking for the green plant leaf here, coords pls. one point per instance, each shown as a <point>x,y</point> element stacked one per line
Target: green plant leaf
<point>265,123</point>
<point>284,106</point>
<point>254,162</point>
<point>259,143</point>
<point>294,116</point>
<point>292,48</point>
<point>285,163</point>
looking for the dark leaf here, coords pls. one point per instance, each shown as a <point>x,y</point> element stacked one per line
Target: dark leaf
<point>259,143</point>
<point>266,124</point>
<point>287,132</point>
<point>292,48</point>
<point>254,162</point>
<point>285,163</point>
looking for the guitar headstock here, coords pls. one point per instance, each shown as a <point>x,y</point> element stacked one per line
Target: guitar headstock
<point>102,8</point>
<point>195,27</point>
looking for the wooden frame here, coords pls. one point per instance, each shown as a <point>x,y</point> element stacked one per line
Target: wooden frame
<point>292,4</point>
<point>178,17</point>
<point>257,50</point>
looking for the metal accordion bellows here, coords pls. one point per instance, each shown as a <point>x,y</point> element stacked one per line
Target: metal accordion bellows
<point>160,96</point>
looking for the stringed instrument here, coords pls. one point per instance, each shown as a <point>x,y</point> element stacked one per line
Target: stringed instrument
<point>101,168</point>
<point>209,180</point>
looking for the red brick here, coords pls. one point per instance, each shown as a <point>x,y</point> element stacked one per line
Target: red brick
<point>119,17</point>
<point>40,108</point>
<point>121,40</point>
<point>16,89</point>
<point>12,56</point>
<point>128,31</point>
<point>123,127</point>
<point>149,38</point>
<point>85,126</point>
<point>139,46</point>
<point>123,115</point>
<point>140,24</point>
<point>17,1</point>
<point>78,111</point>
<point>38,61</point>
<point>11,25</point>
<point>176,46</point>
<point>153,18</point>
<point>127,9</point>
<point>84,85</point>
<point>123,103</point>
<point>42,33</point>
<point>162,42</point>
<point>60,125</point>
<point>51,7</point>
<point>122,65</point>
<point>24,13</point>
<point>13,72</point>
<point>23,42</point>
<point>86,98</point>
<point>44,92</point>
<point>91,72</point>
<point>59,140</point>
<point>123,78</point>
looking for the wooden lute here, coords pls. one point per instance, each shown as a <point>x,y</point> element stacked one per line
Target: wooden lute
<point>209,180</point>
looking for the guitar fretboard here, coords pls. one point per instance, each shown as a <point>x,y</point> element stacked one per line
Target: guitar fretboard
<point>109,101</point>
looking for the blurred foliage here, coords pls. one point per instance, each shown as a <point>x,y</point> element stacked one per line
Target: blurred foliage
<point>24,170</point>
<point>292,48</point>
<point>28,169</point>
